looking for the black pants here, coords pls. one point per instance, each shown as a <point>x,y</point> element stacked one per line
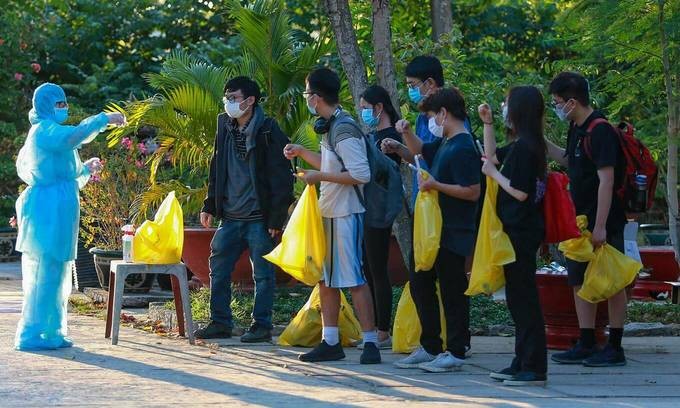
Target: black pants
<point>522,298</point>
<point>449,268</point>
<point>377,245</point>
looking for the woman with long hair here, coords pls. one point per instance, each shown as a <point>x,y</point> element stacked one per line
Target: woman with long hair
<point>521,178</point>
<point>379,114</point>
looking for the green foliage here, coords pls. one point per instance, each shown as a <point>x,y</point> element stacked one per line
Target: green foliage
<point>99,50</point>
<point>617,45</point>
<point>653,312</point>
<point>189,97</point>
<point>107,198</point>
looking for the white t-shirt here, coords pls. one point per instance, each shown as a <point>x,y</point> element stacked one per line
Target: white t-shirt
<point>339,200</point>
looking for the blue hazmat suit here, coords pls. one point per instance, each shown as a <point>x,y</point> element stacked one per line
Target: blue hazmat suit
<point>48,216</point>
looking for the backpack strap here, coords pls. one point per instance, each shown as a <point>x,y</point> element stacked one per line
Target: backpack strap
<point>343,119</point>
<point>587,142</point>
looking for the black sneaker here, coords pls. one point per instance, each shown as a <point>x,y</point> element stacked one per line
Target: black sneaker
<point>370,355</point>
<point>607,357</point>
<point>575,355</point>
<point>256,334</point>
<point>213,330</point>
<point>323,352</point>
<point>505,374</point>
<point>524,378</point>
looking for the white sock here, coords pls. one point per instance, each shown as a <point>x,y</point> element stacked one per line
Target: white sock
<point>370,336</point>
<point>330,335</point>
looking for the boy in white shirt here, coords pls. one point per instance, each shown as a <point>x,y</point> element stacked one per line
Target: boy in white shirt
<point>343,169</point>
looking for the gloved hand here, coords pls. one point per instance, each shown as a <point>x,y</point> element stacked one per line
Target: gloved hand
<point>94,165</point>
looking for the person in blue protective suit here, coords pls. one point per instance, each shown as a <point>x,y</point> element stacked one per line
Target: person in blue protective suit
<point>48,212</point>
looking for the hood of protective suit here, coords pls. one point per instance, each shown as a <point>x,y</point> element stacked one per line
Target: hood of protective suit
<point>44,99</point>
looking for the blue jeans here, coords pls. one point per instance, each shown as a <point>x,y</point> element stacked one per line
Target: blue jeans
<point>229,242</point>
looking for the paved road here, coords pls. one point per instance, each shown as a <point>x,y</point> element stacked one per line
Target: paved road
<point>148,370</point>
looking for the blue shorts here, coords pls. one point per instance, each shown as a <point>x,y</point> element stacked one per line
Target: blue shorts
<point>342,267</point>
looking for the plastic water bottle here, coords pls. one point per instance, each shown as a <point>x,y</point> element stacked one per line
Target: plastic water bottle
<point>641,193</point>
<point>128,237</point>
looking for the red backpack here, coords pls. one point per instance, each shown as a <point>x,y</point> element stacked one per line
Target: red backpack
<point>639,161</point>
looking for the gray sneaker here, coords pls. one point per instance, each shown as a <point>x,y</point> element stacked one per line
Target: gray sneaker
<point>443,363</point>
<point>419,356</point>
<point>382,345</point>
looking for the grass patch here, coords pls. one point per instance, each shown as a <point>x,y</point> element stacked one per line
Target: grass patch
<point>652,312</point>
<point>288,301</point>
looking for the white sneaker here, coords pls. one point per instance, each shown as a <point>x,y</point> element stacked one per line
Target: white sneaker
<point>382,345</point>
<point>443,363</point>
<point>419,356</point>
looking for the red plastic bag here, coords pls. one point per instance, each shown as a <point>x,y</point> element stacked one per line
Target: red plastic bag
<point>559,212</point>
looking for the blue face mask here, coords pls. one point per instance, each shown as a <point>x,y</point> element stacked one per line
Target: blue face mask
<point>367,117</point>
<point>60,115</point>
<point>414,94</point>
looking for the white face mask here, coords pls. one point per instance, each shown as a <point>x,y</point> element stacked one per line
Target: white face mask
<point>434,128</point>
<point>506,120</point>
<point>233,109</point>
<point>561,113</point>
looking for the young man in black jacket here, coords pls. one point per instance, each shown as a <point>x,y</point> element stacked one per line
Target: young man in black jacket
<point>249,191</point>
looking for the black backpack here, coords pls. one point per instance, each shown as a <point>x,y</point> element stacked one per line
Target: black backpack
<point>383,195</point>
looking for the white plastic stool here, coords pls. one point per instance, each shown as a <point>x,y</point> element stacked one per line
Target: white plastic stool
<point>180,289</point>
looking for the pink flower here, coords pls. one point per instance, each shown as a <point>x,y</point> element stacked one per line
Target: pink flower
<point>18,76</point>
<point>139,164</point>
<point>95,178</point>
<point>2,41</point>
<point>142,148</point>
<point>36,67</point>
<point>127,143</point>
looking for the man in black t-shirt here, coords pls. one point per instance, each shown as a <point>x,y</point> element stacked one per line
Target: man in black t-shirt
<point>595,164</point>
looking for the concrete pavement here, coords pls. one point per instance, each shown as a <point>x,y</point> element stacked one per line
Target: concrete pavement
<point>149,370</point>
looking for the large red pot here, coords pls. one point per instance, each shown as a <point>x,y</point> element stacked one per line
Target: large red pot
<point>662,266</point>
<point>197,251</point>
<point>559,312</point>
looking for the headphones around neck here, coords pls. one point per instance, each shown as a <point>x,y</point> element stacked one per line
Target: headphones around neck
<point>323,125</point>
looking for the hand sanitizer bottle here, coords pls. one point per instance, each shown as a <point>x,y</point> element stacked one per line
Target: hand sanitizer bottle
<point>129,235</point>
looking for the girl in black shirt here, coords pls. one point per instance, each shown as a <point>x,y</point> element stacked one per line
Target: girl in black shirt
<point>378,113</point>
<point>522,183</point>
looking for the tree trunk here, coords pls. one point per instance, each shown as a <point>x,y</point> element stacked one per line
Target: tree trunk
<point>382,49</point>
<point>384,68</point>
<point>673,102</point>
<point>348,49</point>
<point>442,18</point>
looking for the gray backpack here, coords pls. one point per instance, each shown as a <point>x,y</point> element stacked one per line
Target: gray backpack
<point>383,196</point>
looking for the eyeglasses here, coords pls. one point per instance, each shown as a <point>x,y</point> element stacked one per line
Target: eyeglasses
<point>231,99</point>
<point>414,85</point>
<point>61,104</point>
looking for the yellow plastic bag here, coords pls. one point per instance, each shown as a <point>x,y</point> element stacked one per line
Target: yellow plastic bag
<point>407,329</point>
<point>305,329</point>
<point>161,241</point>
<point>493,248</point>
<point>303,244</point>
<point>579,249</point>
<point>427,228</point>
<point>608,273</point>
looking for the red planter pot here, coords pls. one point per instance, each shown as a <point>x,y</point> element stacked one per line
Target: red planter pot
<point>660,261</point>
<point>196,252</point>
<point>559,312</point>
